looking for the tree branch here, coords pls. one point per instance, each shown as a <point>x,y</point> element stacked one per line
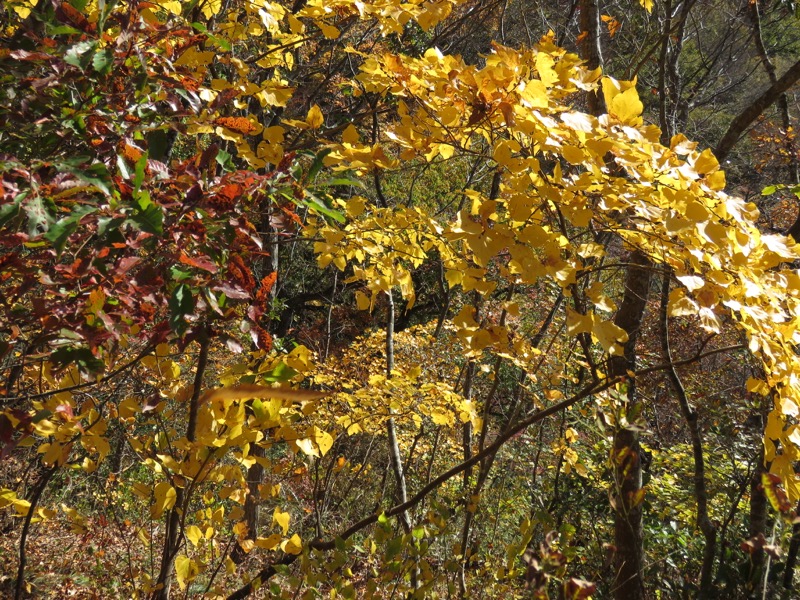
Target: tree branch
<point>754,110</point>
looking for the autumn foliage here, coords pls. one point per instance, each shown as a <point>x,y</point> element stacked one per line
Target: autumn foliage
<point>244,352</point>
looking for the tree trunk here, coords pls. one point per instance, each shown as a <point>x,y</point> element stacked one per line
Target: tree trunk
<point>690,415</point>
<point>629,554</point>
<point>791,556</point>
<point>173,521</point>
<point>757,526</point>
<point>591,50</point>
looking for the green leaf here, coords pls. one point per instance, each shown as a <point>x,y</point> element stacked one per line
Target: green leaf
<point>123,168</point>
<point>222,43</point>
<point>39,217</point>
<point>317,164</point>
<point>108,224</point>
<point>281,372</point>
<point>343,181</point>
<point>149,217</point>
<point>11,210</point>
<point>181,303</point>
<point>96,174</point>
<point>769,190</point>
<point>81,54</point>
<point>317,205</point>
<point>102,61</point>
<point>81,357</point>
<point>59,233</point>
<point>179,274</point>
<point>141,168</point>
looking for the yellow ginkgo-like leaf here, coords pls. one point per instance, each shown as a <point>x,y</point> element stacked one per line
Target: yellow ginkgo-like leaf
<point>268,543</point>
<point>314,118</point>
<point>307,446</point>
<point>350,135</point>
<point>609,335</point>
<point>281,519</point>
<point>173,6</point>
<point>211,8</point>
<point>194,534</point>
<point>293,545</point>
<point>186,570</point>
<point>164,499</point>
<point>627,107</point>
<point>322,439</point>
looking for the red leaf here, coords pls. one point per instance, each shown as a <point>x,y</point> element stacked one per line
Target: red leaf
<point>201,262</point>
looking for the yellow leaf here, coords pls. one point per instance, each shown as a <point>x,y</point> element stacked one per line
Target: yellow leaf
<point>609,335</point>
<point>281,519</point>
<point>350,135</point>
<point>268,543</point>
<point>172,6</point>
<point>600,300</point>
<point>211,7</point>
<point>9,498</point>
<point>314,118</point>
<point>307,446</point>
<point>295,25</point>
<point>293,545</point>
<point>706,163</point>
<point>322,439</point>
<point>230,566</point>
<point>246,391</point>
<point>680,304</point>
<point>647,5</point>
<point>774,427</point>
<point>573,154</point>
<point>578,323</point>
<point>128,408</point>
<point>627,107</point>
<point>362,300</point>
<point>165,497</point>
<point>329,31</point>
<point>194,534</point>
<point>185,570</point>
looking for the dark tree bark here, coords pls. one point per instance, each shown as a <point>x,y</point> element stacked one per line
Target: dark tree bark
<point>591,50</point>
<point>791,556</point>
<point>757,525</point>
<point>629,555</point>
<point>174,526</point>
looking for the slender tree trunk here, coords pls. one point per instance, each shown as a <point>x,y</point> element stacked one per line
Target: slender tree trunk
<point>754,13</point>
<point>757,525</point>
<point>791,556</point>
<point>591,50</point>
<point>629,555</point>
<point>23,538</point>
<point>174,517</point>
<point>690,415</point>
<point>394,447</point>
<point>627,497</point>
